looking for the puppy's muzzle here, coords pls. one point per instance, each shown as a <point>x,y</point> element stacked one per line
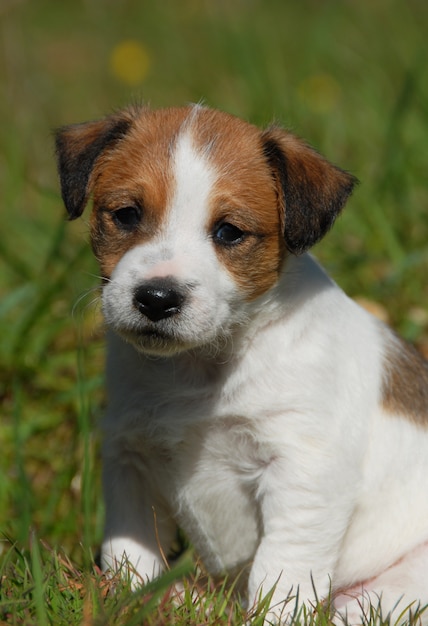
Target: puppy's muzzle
<point>158,299</point>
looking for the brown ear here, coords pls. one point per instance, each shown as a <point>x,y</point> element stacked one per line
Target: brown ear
<point>77,148</point>
<point>312,190</point>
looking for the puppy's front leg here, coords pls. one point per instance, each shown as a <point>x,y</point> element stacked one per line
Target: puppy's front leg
<point>303,523</point>
<point>138,529</point>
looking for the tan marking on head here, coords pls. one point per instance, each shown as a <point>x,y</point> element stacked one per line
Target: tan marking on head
<point>244,195</point>
<point>136,172</point>
<point>405,383</point>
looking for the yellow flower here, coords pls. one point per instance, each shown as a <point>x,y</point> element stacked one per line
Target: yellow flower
<point>130,62</point>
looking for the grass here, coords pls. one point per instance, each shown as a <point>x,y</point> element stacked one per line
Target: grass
<point>42,586</point>
<point>349,77</point>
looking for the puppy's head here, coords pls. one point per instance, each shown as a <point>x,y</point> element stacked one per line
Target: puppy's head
<point>194,212</point>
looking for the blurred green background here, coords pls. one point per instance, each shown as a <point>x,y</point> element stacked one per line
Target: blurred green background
<point>349,76</point>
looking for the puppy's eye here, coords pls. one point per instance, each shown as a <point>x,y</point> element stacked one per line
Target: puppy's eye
<point>228,234</point>
<point>127,217</point>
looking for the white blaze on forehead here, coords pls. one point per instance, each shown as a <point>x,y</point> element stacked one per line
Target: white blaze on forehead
<point>194,178</point>
<point>183,247</point>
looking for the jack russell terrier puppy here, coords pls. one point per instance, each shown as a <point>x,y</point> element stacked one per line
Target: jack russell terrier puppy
<point>251,402</point>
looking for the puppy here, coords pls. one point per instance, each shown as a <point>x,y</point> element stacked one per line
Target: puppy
<point>250,401</point>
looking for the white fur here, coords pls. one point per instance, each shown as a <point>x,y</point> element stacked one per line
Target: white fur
<point>262,435</point>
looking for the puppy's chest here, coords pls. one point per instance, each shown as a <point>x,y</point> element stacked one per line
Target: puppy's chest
<point>200,447</point>
<point>196,451</point>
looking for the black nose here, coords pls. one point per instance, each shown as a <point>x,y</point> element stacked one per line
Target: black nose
<point>158,299</point>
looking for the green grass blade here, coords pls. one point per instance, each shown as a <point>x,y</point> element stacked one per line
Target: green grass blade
<point>38,573</point>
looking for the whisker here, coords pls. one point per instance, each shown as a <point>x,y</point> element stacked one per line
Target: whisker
<point>94,301</point>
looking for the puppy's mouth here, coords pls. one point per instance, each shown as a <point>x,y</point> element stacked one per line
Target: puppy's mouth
<point>154,341</point>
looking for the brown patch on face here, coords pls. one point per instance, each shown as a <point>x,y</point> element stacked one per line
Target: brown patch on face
<point>123,161</point>
<point>405,384</point>
<point>136,173</point>
<point>244,195</point>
